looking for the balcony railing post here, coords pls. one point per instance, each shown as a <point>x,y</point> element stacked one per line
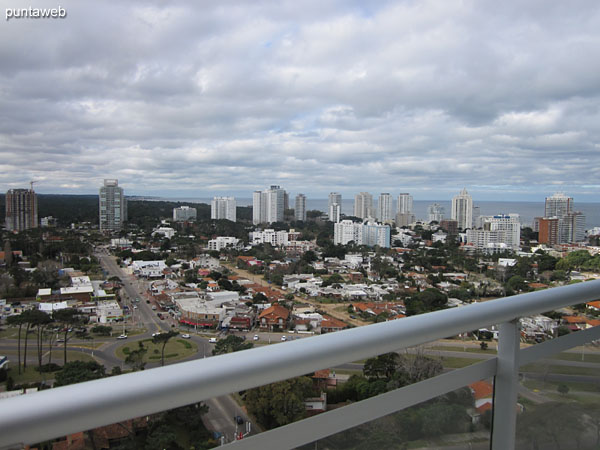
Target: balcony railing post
<point>506,386</point>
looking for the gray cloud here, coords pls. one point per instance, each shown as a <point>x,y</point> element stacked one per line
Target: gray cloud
<point>217,98</point>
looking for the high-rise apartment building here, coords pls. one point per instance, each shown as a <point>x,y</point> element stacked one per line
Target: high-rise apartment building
<point>223,208</point>
<point>500,232</point>
<point>21,209</point>
<point>571,224</point>
<point>385,207</point>
<point>436,212</point>
<point>268,205</point>
<point>405,203</point>
<point>334,206</point>
<point>558,205</point>
<point>113,206</point>
<point>300,207</point>
<point>462,209</point>
<point>547,228</point>
<point>369,233</point>
<point>335,212</point>
<point>184,214</point>
<point>363,205</point>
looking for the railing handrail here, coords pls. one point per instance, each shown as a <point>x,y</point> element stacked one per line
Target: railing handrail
<point>56,412</point>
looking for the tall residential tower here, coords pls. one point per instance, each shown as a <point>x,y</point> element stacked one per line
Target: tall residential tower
<point>462,210</point>
<point>223,208</point>
<point>113,206</point>
<point>21,209</point>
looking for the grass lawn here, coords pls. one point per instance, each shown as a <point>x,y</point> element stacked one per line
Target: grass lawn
<point>490,351</point>
<point>457,363</point>
<point>593,358</point>
<point>31,375</point>
<point>565,370</point>
<point>551,386</point>
<point>174,350</point>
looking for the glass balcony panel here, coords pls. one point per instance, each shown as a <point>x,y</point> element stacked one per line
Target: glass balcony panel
<point>449,421</point>
<point>560,399</point>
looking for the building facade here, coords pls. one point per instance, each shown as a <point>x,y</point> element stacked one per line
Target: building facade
<point>370,234</point>
<point>184,214</point>
<point>385,207</point>
<point>363,205</point>
<point>223,208</point>
<point>113,206</point>
<point>268,206</point>
<point>21,209</point>
<point>300,207</point>
<point>436,212</point>
<point>334,206</point>
<point>405,203</point>
<point>462,209</point>
<point>335,212</point>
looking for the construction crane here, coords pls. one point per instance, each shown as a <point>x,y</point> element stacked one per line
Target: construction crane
<point>31,184</point>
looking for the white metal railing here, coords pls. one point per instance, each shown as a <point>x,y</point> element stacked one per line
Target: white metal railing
<point>56,412</point>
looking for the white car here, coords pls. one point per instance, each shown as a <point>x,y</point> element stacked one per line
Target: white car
<point>123,336</point>
<point>212,341</point>
<point>283,339</point>
<point>155,334</point>
<point>255,337</point>
<point>185,336</point>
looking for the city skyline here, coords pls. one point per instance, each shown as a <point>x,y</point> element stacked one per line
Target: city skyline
<point>179,100</point>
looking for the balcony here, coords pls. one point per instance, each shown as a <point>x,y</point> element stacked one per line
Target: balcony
<point>61,411</point>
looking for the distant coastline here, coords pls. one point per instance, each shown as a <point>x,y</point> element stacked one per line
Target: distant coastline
<point>526,210</point>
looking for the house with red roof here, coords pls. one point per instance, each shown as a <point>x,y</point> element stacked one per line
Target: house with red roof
<point>274,318</point>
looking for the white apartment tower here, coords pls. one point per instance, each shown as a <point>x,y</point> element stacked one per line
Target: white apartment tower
<point>223,208</point>
<point>300,207</point>
<point>334,207</point>
<point>184,214</point>
<point>268,205</point>
<point>384,207</point>
<point>571,224</point>
<point>112,206</point>
<point>436,212</point>
<point>335,212</point>
<point>462,209</point>
<point>363,205</point>
<point>558,205</point>
<point>405,204</point>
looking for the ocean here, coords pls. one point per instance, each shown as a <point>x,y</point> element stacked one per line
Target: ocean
<point>526,210</point>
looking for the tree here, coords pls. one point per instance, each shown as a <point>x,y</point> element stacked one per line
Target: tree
<point>17,320</point>
<point>40,320</point>
<point>78,372</point>
<point>231,344</point>
<point>563,389</point>
<point>163,338</point>
<point>383,366</point>
<point>68,318</point>
<point>102,330</point>
<point>135,358</point>
<point>279,403</point>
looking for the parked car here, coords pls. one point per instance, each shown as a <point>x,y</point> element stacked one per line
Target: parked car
<point>153,307</point>
<point>255,337</point>
<point>212,340</point>
<point>239,420</point>
<point>283,338</point>
<point>185,336</point>
<point>123,336</point>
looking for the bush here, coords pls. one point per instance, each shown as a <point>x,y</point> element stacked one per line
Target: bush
<point>51,367</point>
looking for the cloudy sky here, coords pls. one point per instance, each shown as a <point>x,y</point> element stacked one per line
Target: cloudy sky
<point>195,99</point>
